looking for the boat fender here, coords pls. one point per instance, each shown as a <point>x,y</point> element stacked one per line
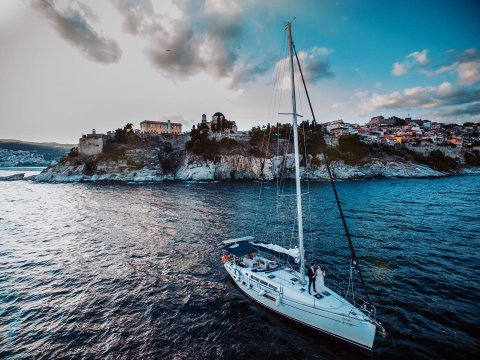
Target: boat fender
<point>261,293</point>
<point>278,301</point>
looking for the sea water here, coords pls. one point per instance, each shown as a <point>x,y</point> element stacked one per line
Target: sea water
<point>133,271</point>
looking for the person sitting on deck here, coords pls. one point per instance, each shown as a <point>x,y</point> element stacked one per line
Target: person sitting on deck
<point>311,278</point>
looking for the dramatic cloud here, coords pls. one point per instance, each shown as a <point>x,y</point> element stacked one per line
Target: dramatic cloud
<point>415,60</point>
<point>420,97</point>
<point>203,37</point>
<point>72,24</point>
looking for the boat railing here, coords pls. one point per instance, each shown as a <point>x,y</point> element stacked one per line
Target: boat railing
<point>367,308</point>
<point>261,286</point>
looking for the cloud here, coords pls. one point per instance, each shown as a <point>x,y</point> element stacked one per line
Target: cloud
<point>136,14</point>
<point>399,69</point>
<point>466,65</point>
<point>415,60</point>
<point>315,63</point>
<point>470,110</point>
<point>315,66</point>
<point>361,93</point>
<point>202,37</point>
<point>193,37</point>
<point>469,72</point>
<point>72,24</point>
<point>420,57</point>
<point>420,97</point>
<point>469,55</point>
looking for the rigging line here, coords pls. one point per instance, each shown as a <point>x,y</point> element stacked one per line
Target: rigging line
<point>281,73</point>
<point>275,91</point>
<point>265,161</point>
<point>310,235</point>
<point>279,189</point>
<point>283,184</point>
<point>339,205</point>
<point>283,66</point>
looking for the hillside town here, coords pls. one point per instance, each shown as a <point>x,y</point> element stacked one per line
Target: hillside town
<point>417,135</point>
<point>421,136</point>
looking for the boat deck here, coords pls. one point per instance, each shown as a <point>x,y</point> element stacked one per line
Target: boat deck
<point>287,281</point>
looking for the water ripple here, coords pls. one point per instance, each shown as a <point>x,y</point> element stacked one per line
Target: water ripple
<point>112,271</point>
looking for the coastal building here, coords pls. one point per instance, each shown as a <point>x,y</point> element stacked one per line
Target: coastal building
<point>219,124</point>
<point>332,125</point>
<point>376,120</point>
<point>340,131</point>
<point>92,144</point>
<point>457,141</point>
<point>161,127</point>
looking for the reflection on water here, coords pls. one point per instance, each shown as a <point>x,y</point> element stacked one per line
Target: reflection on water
<point>132,271</point>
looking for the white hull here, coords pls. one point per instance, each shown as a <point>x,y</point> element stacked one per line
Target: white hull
<point>331,315</point>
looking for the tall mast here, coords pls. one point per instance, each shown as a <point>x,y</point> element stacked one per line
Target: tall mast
<point>297,160</point>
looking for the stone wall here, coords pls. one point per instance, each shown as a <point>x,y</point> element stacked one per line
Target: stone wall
<point>91,145</point>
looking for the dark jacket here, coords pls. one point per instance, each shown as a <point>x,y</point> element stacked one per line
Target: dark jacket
<point>310,273</point>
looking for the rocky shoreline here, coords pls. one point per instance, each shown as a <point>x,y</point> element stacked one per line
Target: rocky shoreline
<point>191,167</point>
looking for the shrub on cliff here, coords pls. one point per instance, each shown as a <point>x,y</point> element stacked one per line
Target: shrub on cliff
<point>228,143</point>
<point>353,145</point>
<point>126,135</point>
<point>314,142</point>
<point>256,152</point>
<point>73,153</point>
<point>90,165</point>
<point>113,152</point>
<point>202,145</point>
<point>438,161</point>
<point>257,136</point>
<point>315,162</point>
<point>472,158</point>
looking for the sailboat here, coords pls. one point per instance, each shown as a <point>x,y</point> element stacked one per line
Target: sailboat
<point>273,283</point>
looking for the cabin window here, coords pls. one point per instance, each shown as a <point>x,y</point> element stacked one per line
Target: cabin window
<point>273,287</point>
<point>271,276</point>
<point>263,282</point>
<point>255,278</point>
<point>294,279</point>
<point>269,297</point>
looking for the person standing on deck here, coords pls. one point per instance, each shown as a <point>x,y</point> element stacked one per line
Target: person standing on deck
<point>311,278</point>
<point>320,278</point>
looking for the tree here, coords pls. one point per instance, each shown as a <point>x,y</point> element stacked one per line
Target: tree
<point>473,158</point>
<point>126,135</point>
<point>352,144</point>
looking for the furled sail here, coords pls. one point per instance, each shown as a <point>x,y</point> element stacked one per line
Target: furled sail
<point>278,251</point>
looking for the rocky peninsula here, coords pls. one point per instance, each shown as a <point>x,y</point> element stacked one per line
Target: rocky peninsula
<point>132,157</point>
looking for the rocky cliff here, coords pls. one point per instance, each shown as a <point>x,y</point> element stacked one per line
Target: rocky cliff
<point>150,165</point>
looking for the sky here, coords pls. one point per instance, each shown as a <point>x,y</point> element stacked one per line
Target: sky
<point>67,67</point>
